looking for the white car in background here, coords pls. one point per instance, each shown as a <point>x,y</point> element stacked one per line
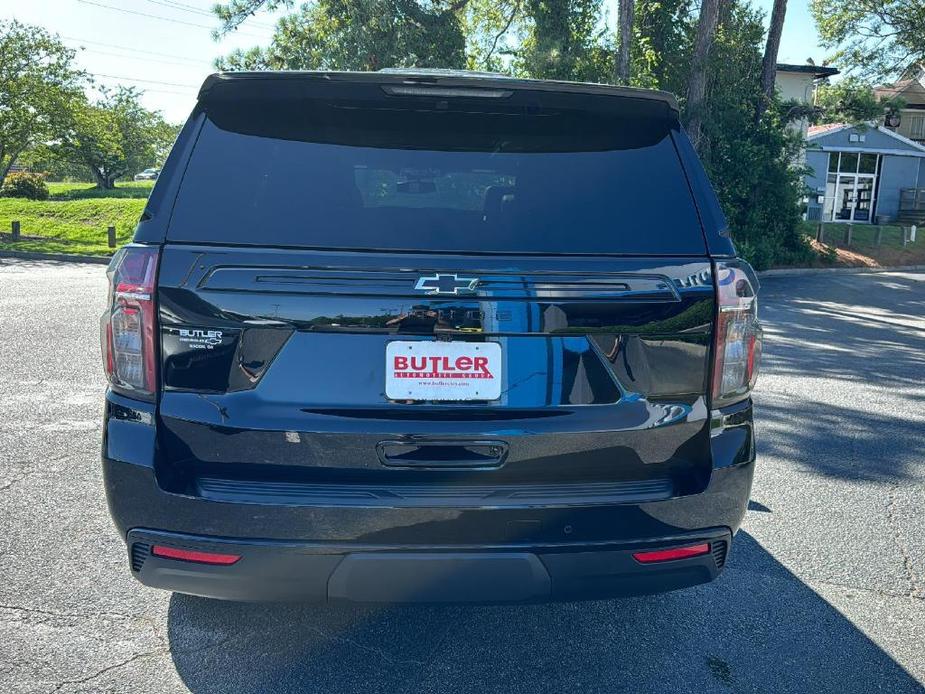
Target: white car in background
<point>147,175</point>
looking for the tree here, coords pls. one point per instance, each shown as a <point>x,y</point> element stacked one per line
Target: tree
<point>38,84</point>
<point>114,136</point>
<point>621,74</point>
<point>851,100</point>
<point>663,34</point>
<point>697,82</point>
<point>489,28</point>
<point>751,165</point>
<point>564,41</point>
<point>352,35</point>
<point>557,39</point>
<point>873,39</point>
<point>769,63</point>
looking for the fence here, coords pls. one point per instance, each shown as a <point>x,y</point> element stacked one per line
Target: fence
<point>912,200</point>
<point>16,233</point>
<point>875,235</point>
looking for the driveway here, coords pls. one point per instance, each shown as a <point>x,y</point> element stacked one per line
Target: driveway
<point>824,592</point>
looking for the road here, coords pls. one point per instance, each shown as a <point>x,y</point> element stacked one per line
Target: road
<point>824,592</point>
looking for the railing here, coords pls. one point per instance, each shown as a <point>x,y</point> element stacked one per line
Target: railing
<point>912,200</point>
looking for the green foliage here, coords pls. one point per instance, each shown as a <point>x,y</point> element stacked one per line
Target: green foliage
<point>41,158</point>
<point>752,165</point>
<point>24,185</point>
<point>564,42</point>
<point>359,35</point>
<point>38,83</point>
<point>663,35</point>
<point>234,12</point>
<point>851,100</point>
<point>875,39</point>
<point>87,191</point>
<point>565,39</point>
<point>114,137</point>
<point>494,30</point>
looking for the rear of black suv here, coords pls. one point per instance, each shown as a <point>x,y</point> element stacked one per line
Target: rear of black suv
<point>429,337</point>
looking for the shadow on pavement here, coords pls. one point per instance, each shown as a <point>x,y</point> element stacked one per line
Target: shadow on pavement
<point>872,333</point>
<point>757,629</point>
<point>856,443</point>
<point>866,338</point>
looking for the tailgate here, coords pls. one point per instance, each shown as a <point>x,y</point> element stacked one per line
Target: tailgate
<point>278,376</point>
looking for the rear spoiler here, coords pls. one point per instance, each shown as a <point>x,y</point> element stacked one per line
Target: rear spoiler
<point>224,87</point>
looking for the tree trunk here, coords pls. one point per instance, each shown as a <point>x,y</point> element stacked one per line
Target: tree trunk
<point>621,71</point>
<point>697,84</point>
<point>4,170</point>
<point>103,178</point>
<point>6,165</point>
<point>769,64</point>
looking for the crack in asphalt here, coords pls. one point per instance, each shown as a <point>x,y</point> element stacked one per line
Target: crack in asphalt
<point>15,480</point>
<point>151,622</point>
<point>109,668</point>
<point>830,581</point>
<point>381,653</point>
<point>917,590</point>
<point>30,472</point>
<point>233,637</point>
<point>369,649</point>
<point>169,651</point>
<point>76,615</point>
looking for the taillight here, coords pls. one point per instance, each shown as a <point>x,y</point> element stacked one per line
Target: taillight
<point>737,346</point>
<point>129,323</point>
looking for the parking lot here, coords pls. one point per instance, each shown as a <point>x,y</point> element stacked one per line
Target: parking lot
<point>824,591</point>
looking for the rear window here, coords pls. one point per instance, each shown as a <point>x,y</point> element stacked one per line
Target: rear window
<point>452,180</point>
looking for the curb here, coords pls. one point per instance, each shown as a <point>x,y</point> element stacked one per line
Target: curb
<point>62,257</point>
<point>790,272</point>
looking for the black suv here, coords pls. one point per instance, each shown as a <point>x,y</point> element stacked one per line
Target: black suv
<point>414,336</point>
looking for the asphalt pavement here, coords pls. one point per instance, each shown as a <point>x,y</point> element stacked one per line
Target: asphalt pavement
<point>824,590</point>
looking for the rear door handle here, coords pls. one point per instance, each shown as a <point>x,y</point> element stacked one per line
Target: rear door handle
<point>442,454</point>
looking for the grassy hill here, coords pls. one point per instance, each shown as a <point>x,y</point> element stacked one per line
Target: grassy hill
<point>74,219</point>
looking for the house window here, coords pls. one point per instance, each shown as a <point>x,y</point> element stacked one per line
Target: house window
<point>868,164</point>
<point>851,185</point>
<point>915,126</point>
<point>849,162</point>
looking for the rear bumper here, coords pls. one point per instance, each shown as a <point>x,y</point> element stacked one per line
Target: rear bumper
<point>367,552</point>
<point>280,571</point>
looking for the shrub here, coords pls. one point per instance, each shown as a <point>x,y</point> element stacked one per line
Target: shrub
<point>25,185</point>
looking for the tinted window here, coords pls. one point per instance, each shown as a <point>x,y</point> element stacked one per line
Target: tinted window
<point>537,183</point>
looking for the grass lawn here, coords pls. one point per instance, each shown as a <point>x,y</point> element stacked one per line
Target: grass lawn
<point>83,191</point>
<point>864,249</point>
<point>74,219</point>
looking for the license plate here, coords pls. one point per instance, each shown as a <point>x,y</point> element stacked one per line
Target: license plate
<point>443,371</point>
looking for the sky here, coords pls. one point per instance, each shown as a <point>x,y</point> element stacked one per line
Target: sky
<point>165,46</point>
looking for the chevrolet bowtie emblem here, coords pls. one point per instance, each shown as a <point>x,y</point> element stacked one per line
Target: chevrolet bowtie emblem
<point>447,284</point>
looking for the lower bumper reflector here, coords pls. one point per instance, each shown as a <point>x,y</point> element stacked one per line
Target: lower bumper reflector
<point>671,554</point>
<point>190,555</point>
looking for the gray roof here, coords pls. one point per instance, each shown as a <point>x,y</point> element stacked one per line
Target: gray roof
<point>814,70</point>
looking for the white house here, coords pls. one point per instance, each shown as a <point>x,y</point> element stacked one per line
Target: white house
<point>798,83</point>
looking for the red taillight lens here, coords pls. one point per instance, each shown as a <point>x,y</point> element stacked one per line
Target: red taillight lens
<point>737,347</point>
<point>129,324</point>
<point>671,554</point>
<point>191,555</point>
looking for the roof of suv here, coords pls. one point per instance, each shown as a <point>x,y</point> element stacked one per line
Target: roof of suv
<point>269,84</point>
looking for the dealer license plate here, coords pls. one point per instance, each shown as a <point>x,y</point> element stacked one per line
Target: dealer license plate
<point>443,371</point>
